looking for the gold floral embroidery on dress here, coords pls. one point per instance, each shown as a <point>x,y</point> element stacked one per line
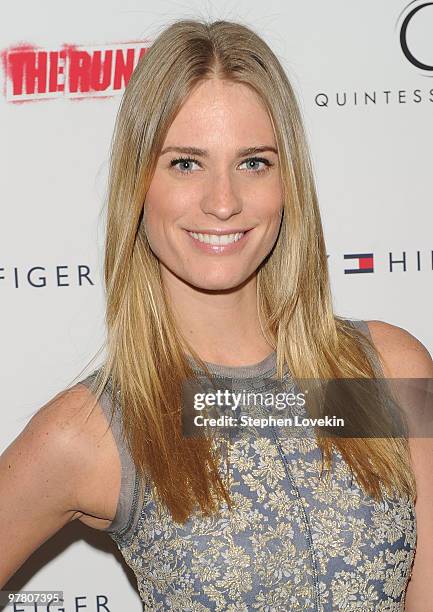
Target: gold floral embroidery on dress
<point>293,541</point>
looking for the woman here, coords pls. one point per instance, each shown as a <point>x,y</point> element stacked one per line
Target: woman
<point>215,260</point>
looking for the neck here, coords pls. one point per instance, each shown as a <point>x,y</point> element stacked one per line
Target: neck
<point>221,326</point>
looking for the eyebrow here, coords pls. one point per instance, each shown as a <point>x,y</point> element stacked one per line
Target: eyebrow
<point>205,153</point>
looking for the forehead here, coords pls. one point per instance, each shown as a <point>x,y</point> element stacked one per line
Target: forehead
<point>219,111</point>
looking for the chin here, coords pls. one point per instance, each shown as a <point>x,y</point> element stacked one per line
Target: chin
<point>217,282</point>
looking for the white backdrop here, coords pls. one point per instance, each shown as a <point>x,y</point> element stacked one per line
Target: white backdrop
<point>368,111</point>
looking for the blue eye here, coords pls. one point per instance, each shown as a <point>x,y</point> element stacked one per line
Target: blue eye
<point>183,160</point>
<point>261,160</point>
<point>189,160</point>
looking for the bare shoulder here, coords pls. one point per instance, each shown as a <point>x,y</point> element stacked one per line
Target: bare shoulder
<point>56,470</point>
<point>402,354</point>
<point>56,432</point>
<point>65,413</point>
<point>71,429</point>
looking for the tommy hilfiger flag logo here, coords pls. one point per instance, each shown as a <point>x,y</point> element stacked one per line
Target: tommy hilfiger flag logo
<point>364,263</point>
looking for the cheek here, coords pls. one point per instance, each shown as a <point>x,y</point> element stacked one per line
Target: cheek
<point>166,201</point>
<point>163,210</point>
<point>269,208</point>
<point>158,209</point>
<point>267,197</point>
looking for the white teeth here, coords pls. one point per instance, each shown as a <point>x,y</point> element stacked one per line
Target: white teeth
<point>217,239</point>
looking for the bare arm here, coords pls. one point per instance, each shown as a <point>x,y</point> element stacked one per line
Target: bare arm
<point>405,357</point>
<point>41,478</point>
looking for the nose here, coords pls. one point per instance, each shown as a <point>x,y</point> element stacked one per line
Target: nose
<point>222,200</point>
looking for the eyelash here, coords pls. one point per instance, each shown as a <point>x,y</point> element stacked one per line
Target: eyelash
<point>191,159</point>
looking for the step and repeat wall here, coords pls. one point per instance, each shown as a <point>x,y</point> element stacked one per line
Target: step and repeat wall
<point>363,74</point>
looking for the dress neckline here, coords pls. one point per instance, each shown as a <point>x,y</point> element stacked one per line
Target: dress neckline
<point>264,368</point>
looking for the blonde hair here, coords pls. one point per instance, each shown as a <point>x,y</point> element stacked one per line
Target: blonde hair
<point>146,362</point>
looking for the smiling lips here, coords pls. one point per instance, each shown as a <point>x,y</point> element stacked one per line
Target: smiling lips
<point>218,241</point>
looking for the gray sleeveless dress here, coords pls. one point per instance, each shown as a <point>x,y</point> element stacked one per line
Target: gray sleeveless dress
<point>292,542</point>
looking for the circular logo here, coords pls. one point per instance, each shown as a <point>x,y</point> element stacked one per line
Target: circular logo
<point>403,37</point>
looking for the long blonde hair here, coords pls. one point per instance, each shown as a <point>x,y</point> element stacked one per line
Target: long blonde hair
<point>146,362</point>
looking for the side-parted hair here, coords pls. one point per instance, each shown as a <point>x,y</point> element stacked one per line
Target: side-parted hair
<point>146,362</point>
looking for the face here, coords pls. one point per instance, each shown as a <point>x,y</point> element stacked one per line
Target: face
<point>213,209</point>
